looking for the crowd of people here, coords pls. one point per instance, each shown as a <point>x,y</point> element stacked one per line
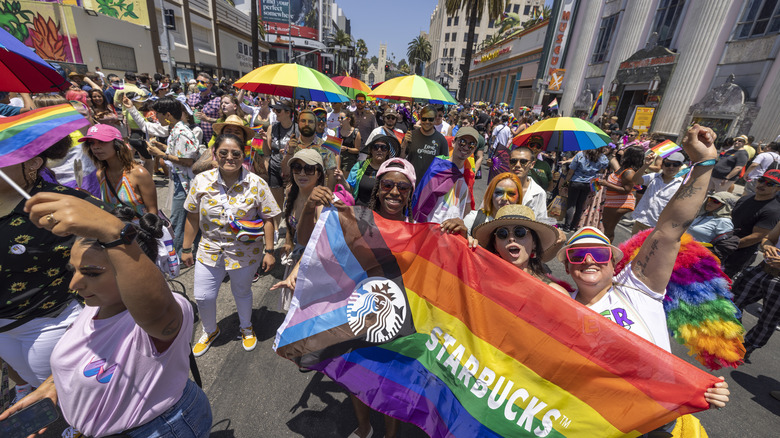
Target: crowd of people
<point>249,175</point>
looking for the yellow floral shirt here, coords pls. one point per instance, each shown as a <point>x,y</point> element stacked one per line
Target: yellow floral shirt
<point>248,199</point>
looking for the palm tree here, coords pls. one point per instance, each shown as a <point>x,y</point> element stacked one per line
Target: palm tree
<point>361,50</point>
<point>474,10</point>
<point>341,39</point>
<point>419,52</point>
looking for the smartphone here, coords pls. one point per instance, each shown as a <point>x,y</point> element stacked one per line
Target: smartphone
<point>30,419</point>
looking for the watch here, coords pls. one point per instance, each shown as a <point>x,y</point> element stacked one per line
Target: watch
<point>269,251</point>
<point>126,237</point>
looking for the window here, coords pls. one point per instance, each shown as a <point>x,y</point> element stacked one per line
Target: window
<point>466,37</point>
<point>527,10</point>
<point>761,17</point>
<point>452,52</point>
<point>444,53</point>
<point>446,37</point>
<point>491,24</point>
<point>508,7</point>
<point>516,9</point>
<point>462,53</point>
<point>667,16</point>
<point>449,21</point>
<point>116,57</point>
<point>454,36</point>
<point>604,39</point>
<point>456,21</point>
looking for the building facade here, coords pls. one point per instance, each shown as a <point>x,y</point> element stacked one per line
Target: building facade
<point>376,72</point>
<point>448,37</point>
<point>506,71</point>
<point>677,62</point>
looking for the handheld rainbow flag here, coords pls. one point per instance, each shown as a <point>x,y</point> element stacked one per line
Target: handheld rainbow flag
<point>256,146</point>
<point>595,108</point>
<point>553,104</point>
<point>666,148</point>
<point>699,310</point>
<point>415,116</point>
<point>462,344</point>
<point>513,122</point>
<point>258,129</point>
<point>27,135</point>
<point>333,144</point>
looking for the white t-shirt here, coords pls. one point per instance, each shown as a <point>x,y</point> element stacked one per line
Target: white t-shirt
<point>657,195</point>
<point>443,128</point>
<point>333,120</point>
<point>631,304</point>
<point>764,160</point>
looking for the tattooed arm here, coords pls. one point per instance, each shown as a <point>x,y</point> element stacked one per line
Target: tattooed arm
<point>654,263</point>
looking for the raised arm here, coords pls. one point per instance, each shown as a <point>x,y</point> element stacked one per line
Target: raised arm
<point>640,173</point>
<point>654,263</point>
<point>142,287</point>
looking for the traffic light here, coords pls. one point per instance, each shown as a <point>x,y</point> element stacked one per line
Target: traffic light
<point>387,67</point>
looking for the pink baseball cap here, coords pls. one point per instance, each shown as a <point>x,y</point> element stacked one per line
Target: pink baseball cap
<point>101,132</point>
<point>398,165</point>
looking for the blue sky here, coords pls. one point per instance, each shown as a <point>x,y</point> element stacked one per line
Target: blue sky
<point>395,22</point>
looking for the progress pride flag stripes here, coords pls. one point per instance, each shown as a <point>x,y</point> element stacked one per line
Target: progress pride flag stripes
<point>464,344</point>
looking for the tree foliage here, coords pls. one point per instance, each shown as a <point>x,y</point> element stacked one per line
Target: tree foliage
<point>419,52</point>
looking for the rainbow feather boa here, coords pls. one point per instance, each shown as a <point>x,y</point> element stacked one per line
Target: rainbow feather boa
<point>699,310</point>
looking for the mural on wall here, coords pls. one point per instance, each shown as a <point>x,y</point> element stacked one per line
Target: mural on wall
<point>42,26</point>
<point>133,11</point>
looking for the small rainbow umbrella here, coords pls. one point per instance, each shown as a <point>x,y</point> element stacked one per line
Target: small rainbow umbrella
<point>352,86</point>
<point>565,134</point>
<point>413,88</point>
<point>28,134</point>
<point>23,71</point>
<point>293,81</point>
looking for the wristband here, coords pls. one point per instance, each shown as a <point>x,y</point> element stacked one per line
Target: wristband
<point>269,251</point>
<point>186,250</point>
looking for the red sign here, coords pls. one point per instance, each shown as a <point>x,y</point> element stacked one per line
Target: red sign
<point>561,37</point>
<point>648,62</point>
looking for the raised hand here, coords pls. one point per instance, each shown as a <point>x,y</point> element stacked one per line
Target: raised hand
<point>699,143</point>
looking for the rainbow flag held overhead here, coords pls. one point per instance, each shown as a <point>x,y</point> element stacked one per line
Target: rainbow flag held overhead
<point>462,344</point>
<point>553,104</point>
<point>333,144</point>
<point>28,134</point>
<point>594,109</point>
<point>666,148</point>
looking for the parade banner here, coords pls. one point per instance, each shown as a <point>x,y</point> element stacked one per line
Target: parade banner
<point>463,344</point>
<point>303,16</point>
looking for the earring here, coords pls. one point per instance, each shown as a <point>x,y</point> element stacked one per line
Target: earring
<point>533,255</point>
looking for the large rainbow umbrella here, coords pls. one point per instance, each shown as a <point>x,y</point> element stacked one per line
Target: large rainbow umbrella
<point>413,88</point>
<point>28,134</point>
<point>23,71</point>
<point>565,134</point>
<point>293,81</point>
<point>352,86</point>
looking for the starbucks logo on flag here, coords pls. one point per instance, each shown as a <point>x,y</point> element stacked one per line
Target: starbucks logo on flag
<point>377,309</point>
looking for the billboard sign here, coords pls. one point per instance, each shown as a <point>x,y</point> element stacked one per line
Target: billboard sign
<point>279,16</point>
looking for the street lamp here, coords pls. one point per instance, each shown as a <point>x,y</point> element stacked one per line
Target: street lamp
<point>615,84</point>
<point>654,84</point>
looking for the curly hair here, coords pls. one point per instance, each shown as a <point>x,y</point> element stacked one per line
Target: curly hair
<point>149,228</point>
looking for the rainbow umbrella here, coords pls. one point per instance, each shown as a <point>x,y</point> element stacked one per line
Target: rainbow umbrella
<point>23,71</point>
<point>524,108</point>
<point>293,81</point>
<point>352,86</point>
<point>565,134</point>
<point>413,88</point>
<point>28,134</point>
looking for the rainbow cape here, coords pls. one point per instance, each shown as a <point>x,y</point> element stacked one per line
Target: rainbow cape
<point>463,344</point>
<point>442,181</point>
<point>666,148</point>
<point>28,134</point>
<point>699,310</point>
<point>333,144</point>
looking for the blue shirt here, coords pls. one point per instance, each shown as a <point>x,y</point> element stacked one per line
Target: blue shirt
<point>584,169</point>
<point>9,110</point>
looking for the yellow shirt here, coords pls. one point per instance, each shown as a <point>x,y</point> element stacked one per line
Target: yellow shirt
<point>249,198</point>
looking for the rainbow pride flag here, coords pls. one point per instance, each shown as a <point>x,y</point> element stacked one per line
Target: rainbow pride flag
<point>415,116</point>
<point>594,109</point>
<point>333,144</point>
<point>513,122</point>
<point>553,104</point>
<point>463,344</point>
<point>28,134</point>
<point>442,187</point>
<point>666,148</point>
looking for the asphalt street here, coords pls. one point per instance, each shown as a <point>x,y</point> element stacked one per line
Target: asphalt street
<point>259,394</point>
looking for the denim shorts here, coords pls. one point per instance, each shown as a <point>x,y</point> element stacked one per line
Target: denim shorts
<point>189,417</point>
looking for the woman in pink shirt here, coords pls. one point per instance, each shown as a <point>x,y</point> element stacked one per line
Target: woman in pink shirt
<point>122,366</point>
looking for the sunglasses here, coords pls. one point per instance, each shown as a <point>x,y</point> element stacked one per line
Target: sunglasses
<point>308,169</point>
<point>599,254</point>
<point>224,153</point>
<point>672,164</point>
<point>426,119</point>
<point>470,144</point>
<point>380,147</point>
<point>322,119</point>
<point>503,232</point>
<point>504,192</point>
<point>387,186</point>
<point>360,100</point>
<point>342,118</point>
<point>714,201</point>
<point>204,82</point>
<point>522,161</point>
<point>768,182</point>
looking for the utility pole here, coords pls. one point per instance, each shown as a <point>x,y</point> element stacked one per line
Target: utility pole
<point>254,30</point>
<point>289,32</point>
